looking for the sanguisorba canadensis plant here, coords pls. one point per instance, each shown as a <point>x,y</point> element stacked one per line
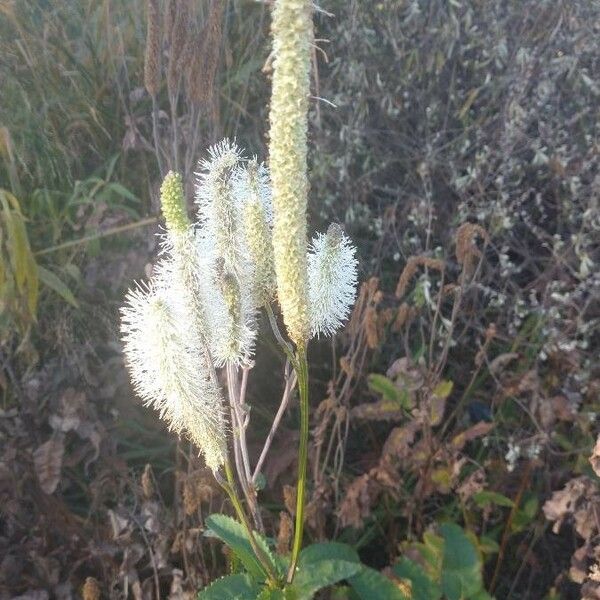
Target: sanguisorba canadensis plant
<point>245,251</point>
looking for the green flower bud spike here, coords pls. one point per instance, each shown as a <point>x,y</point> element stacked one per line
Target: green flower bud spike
<point>172,202</point>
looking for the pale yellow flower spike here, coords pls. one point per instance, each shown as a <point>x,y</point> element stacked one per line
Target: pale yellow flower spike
<point>172,201</point>
<point>292,36</point>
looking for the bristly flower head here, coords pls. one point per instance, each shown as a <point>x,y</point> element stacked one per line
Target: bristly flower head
<point>230,274</point>
<point>332,280</point>
<point>252,191</point>
<point>215,199</point>
<point>169,371</point>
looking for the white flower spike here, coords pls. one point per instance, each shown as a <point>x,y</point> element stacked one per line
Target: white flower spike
<point>169,371</point>
<point>229,277</point>
<point>332,280</point>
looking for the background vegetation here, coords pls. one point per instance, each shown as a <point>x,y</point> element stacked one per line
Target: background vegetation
<point>461,154</point>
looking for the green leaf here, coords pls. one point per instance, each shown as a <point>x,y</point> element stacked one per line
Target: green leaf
<point>488,545</point>
<point>488,497</point>
<point>327,551</point>
<point>461,571</point>
<point>269,594</point>
<point>525,515</point>
<point>387,388</point>
<point>312,577</point>
<point>49,279</point>
<point>232,587</point>
<point>422,587</point>
<point>235,536</point>
<point>121,190</point>
<point>443,389</point>
<point>370,584</point>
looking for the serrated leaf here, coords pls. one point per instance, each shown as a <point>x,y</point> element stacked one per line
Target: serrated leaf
<point>268,594</point>
<point>382,385</point>
<point>370,584</point>
<point>461,571</point>
<point>421,586</point>
<point>312,577</point>
<point>486,497</point>
<point>389,390</point>
<point>232,533</point>
<point>232,587</point>
<point>327,550</point>
<point>49,279</point>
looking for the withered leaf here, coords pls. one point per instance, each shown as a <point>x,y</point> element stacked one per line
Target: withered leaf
<point>48,460</point>
<point>356,505</point>
<point>383,410</point>
<point>398,443</point>
<point>473,484</point>
<point>478,430</point>
<point>595,457</point>
<point>437,406</point>
<point>501,361</point>
<point>579,500</point>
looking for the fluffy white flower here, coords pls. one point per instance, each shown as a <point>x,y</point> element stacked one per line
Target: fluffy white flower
<point>169,370</point>
<point>215,199</point>
<point>332,280</point>
<point>228,279</point>
<point>252,192</point>
<point>230,312</point>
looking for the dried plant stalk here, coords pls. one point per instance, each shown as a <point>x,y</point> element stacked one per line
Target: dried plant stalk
<point>412,264</point>
<point>202,68</point>
<point>177,44</point>
<point>467,252</point>
<point>152,54</point>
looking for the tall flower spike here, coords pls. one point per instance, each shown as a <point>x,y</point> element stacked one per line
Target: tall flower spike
<point>332,280</point>
<point>167,365</point>
<point>292,36</point>
<point>253,193</point>
<point>229,280</point>
<point>216,203</point>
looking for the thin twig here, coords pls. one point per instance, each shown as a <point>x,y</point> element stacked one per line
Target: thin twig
<point>287,393</point>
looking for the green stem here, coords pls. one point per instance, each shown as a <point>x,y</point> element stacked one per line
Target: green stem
<point>229,487</point>
<point>302,373</point>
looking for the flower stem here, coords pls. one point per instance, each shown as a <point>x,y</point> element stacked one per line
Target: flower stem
<point>302,373</point>
<point>229,487</point>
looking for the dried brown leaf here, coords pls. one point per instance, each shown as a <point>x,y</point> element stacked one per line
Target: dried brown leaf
<point>356,504</point>
<point>478,430</point>
<point>383,410</point>
<point>284,534</point>
<point>399,441</point>
<point>91,589</point>
<point>47,461</point>
<point>578,500</point>
<point>473,484</point>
